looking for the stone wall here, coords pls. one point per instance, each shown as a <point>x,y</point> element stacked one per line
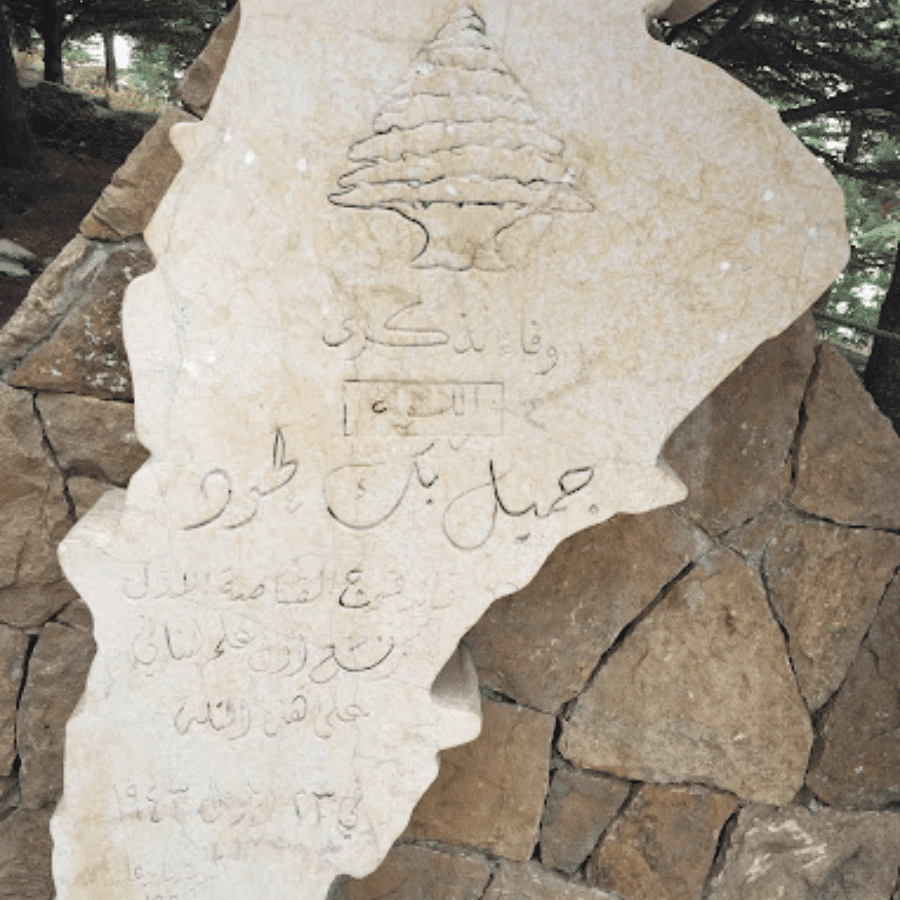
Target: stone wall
<point>700,701</point>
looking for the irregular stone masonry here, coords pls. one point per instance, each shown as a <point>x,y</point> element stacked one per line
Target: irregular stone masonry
<point>550,815</point>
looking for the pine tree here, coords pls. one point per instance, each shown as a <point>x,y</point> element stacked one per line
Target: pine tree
<point>460,151</point>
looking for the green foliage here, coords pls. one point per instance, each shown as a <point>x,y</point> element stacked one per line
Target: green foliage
<point>75,54</point>
<point>831,69</point>
<point>152,71</point>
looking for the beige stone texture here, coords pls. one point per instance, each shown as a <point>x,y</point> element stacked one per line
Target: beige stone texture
<point>57,669</point>
<point>48,298</point>
<point>848,457</point>
<point>25,856</point>
<point>578,810</point>
<point>528,881</point>
<point>589,589</point>
<point>35,517</point>
<point>411,872</point>
<point>130,199</point>
<point>856,762</point>
<point>731,451</point>
<point>92,437</point>
<point>202,76</point>
<point>76,615</point>
<point>434,283</point>
<point>85,353</point>
<point>662,846</point>
<point>13,651</point>
<point>681,10</point>
<point>700,690</point>
<point>489,794</point>
<point>825,583</point>
<point>795,853</point>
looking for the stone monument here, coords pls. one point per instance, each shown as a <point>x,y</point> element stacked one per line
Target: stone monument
<point>434,283</point>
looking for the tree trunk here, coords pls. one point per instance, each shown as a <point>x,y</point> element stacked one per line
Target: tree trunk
<point>882,374</point>
<point>51,34</point>
<point>18,149</point>
<point>111,76</point>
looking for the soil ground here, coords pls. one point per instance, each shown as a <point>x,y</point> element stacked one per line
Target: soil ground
<point>41,211</point>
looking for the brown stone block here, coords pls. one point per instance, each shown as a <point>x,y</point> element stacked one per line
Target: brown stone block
<point>579,808</point>
<point>94,437</point>
<point>33,512</point>
<point>490,793</point>
<point>46,302</point>
<point>25,856</point>
<point>410,872</point>
<point>662,846</point>
<point>85,492</point>
<point>56,674</point>
<point>86,353</point>
<point>825,582</point>
<point>700,690</point>
<point>130,199</point>
<point>858,763</point>
<point>13,650</point>
<point>731,450</point>
<point>848,458</point>
<point>528,881</point>
<point>202,77</point>
<point>590,588</point>
<point>796,853</point>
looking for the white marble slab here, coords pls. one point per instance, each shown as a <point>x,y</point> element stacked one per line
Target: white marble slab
<point>433,286</point>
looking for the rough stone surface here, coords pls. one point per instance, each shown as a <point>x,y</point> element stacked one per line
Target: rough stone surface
<point>579,807</point>
<point>76,615</point>
<point>85,492</point>
<point>13,651</point>
<point>411,872</point>
<point>85,354</point>
<point>857,758</point>
<point>490,793</point>
<point>732,449</point>
<point>92,437</point>
<point>130,199</point>
<point>25,856</point>
<point>662,846</point>
<point>47,300</point>
<point>528,881</point>
<point>751,538</point>
<point>795,853</point>
<point>378,390</point>
<point>202,76</point>
<point>701,690</point>
<point>825,583</point>
<point>590,588</point>
<point>848,455</point>
<point>56,672</point>
<point>35,517</point>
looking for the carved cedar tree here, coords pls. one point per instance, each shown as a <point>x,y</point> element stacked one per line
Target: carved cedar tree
<point>460,151</point>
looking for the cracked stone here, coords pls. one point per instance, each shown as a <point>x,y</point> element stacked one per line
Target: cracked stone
<point>13,651</point>
<point>579,808</point>
<point>35,517</point>
<point>489,794</point>
<point>202,76</point>
<point>130,199</point>
<point>825,583</point>
<point>751,538</point>
<point>793,852</point>
<point>589,589</point>
<point>662,846</point>
<point>857,762</point>
<point>411,872</point>
<point>848,457</point>
<point>56,674</point>
<point>529,881</point>
<point>700,690</point>
<point>25,856</point>
<point>85,492</point>
<point>86,354</point>
<point>92,437</point>
<point>731,450</point>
